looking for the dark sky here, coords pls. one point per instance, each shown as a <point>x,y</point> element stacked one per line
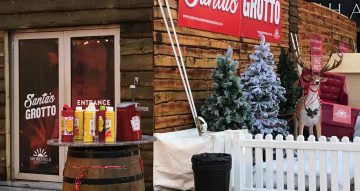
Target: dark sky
<point>347,7</point>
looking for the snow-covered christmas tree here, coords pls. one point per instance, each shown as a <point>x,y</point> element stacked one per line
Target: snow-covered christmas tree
<point>262,89</point>
<point>226,108</point>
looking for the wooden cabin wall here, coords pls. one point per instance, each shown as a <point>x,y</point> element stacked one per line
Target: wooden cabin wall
<point>137,61</point>
<point>2,109</point>
<point>330,25</point>
<point>136,46</point>
<point>199,48</point>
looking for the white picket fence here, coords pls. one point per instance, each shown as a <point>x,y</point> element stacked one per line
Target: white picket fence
<point>268,164</point>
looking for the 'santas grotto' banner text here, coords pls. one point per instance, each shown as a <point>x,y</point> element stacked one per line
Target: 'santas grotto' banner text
<point>244,18</point>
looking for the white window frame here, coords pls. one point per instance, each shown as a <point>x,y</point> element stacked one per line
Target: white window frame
<point>16,150</point>
<point>63,35</point>
<point>88,33</point>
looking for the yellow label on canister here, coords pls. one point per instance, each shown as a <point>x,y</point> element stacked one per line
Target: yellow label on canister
<point>69,124</point>
<point>88,123</point>
<point>79,125</point>
<point>101,124</point>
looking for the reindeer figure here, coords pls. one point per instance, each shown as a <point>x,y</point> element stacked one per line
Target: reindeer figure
<point>308,108</point>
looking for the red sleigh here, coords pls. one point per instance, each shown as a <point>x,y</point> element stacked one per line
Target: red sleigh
<point>333,91</point>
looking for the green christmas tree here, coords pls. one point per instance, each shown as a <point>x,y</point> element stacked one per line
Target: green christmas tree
<point>289,80</point>
<point>226,108</point>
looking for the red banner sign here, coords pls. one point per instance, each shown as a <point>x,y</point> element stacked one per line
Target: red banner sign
<point>234,17</point>
<point>316,48</point>
<point>342,114</point>
<point>343,47</point>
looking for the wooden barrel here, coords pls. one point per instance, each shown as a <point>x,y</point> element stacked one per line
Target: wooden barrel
<point>106,168</point>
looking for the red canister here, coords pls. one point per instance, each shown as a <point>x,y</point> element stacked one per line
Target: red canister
<point>128,122</point>
<point>67,124</point>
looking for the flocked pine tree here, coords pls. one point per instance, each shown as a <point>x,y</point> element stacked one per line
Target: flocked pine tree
<point>262,89</point>
<point>226,108</point>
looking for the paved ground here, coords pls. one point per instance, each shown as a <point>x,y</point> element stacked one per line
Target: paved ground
<point>29,186</point>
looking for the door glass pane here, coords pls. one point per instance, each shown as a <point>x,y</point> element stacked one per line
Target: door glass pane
<point>92,70</point>
<point>38,105</point>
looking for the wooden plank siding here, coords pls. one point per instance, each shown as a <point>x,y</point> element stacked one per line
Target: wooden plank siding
<point>48,13</point>
<point>330,25</point>
<point>2,110</point>
<point>136,48</point>
<point>199,48</point>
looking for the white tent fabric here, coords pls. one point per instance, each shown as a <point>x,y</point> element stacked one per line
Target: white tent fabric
<point>172,156</point>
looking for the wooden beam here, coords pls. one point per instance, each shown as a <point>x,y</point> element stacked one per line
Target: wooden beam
<point>137,62</point>
<point>32,6</point>
<point>168,96</point>
<point>141,93</point>
<point>170,84</point>
<point>173,121</point>
<point>171,129</point>
<point>172,108</point>
<point>146,78</point>
<point>173,73</point>
<point>136,30</point>
<point>131,46</point>
<point>147,125</point>
<point>73,18</point>
<point>193,41</point>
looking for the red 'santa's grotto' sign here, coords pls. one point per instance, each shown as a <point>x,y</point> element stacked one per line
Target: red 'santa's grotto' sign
<point>234,17</point>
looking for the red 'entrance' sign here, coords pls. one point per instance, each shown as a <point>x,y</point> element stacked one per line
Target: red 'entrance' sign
<point>234,17</point>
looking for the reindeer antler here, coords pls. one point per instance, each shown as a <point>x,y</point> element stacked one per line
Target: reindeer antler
<point>300,63</point>
<point>297,53</point>
<point>336,64</point>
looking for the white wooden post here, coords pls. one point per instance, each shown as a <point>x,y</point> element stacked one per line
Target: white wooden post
<point>345,163</point>
<point>357,165</point>
<point>279,165</point>
<point>301,161</point>
<point>323,166</point>
<point>258,164</point>
<point>334,166</point>
<point>249,165</point>
<point>290,163</point>
<point>312,166</point>
<point>228,149</point>
<point>269,164</point>
<point>238,159</point>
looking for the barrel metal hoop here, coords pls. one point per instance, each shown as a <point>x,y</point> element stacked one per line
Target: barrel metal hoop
<point>107,180</point>
<point>105,154</point>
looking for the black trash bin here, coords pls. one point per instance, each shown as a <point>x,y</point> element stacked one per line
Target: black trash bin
<point>211,171</point>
